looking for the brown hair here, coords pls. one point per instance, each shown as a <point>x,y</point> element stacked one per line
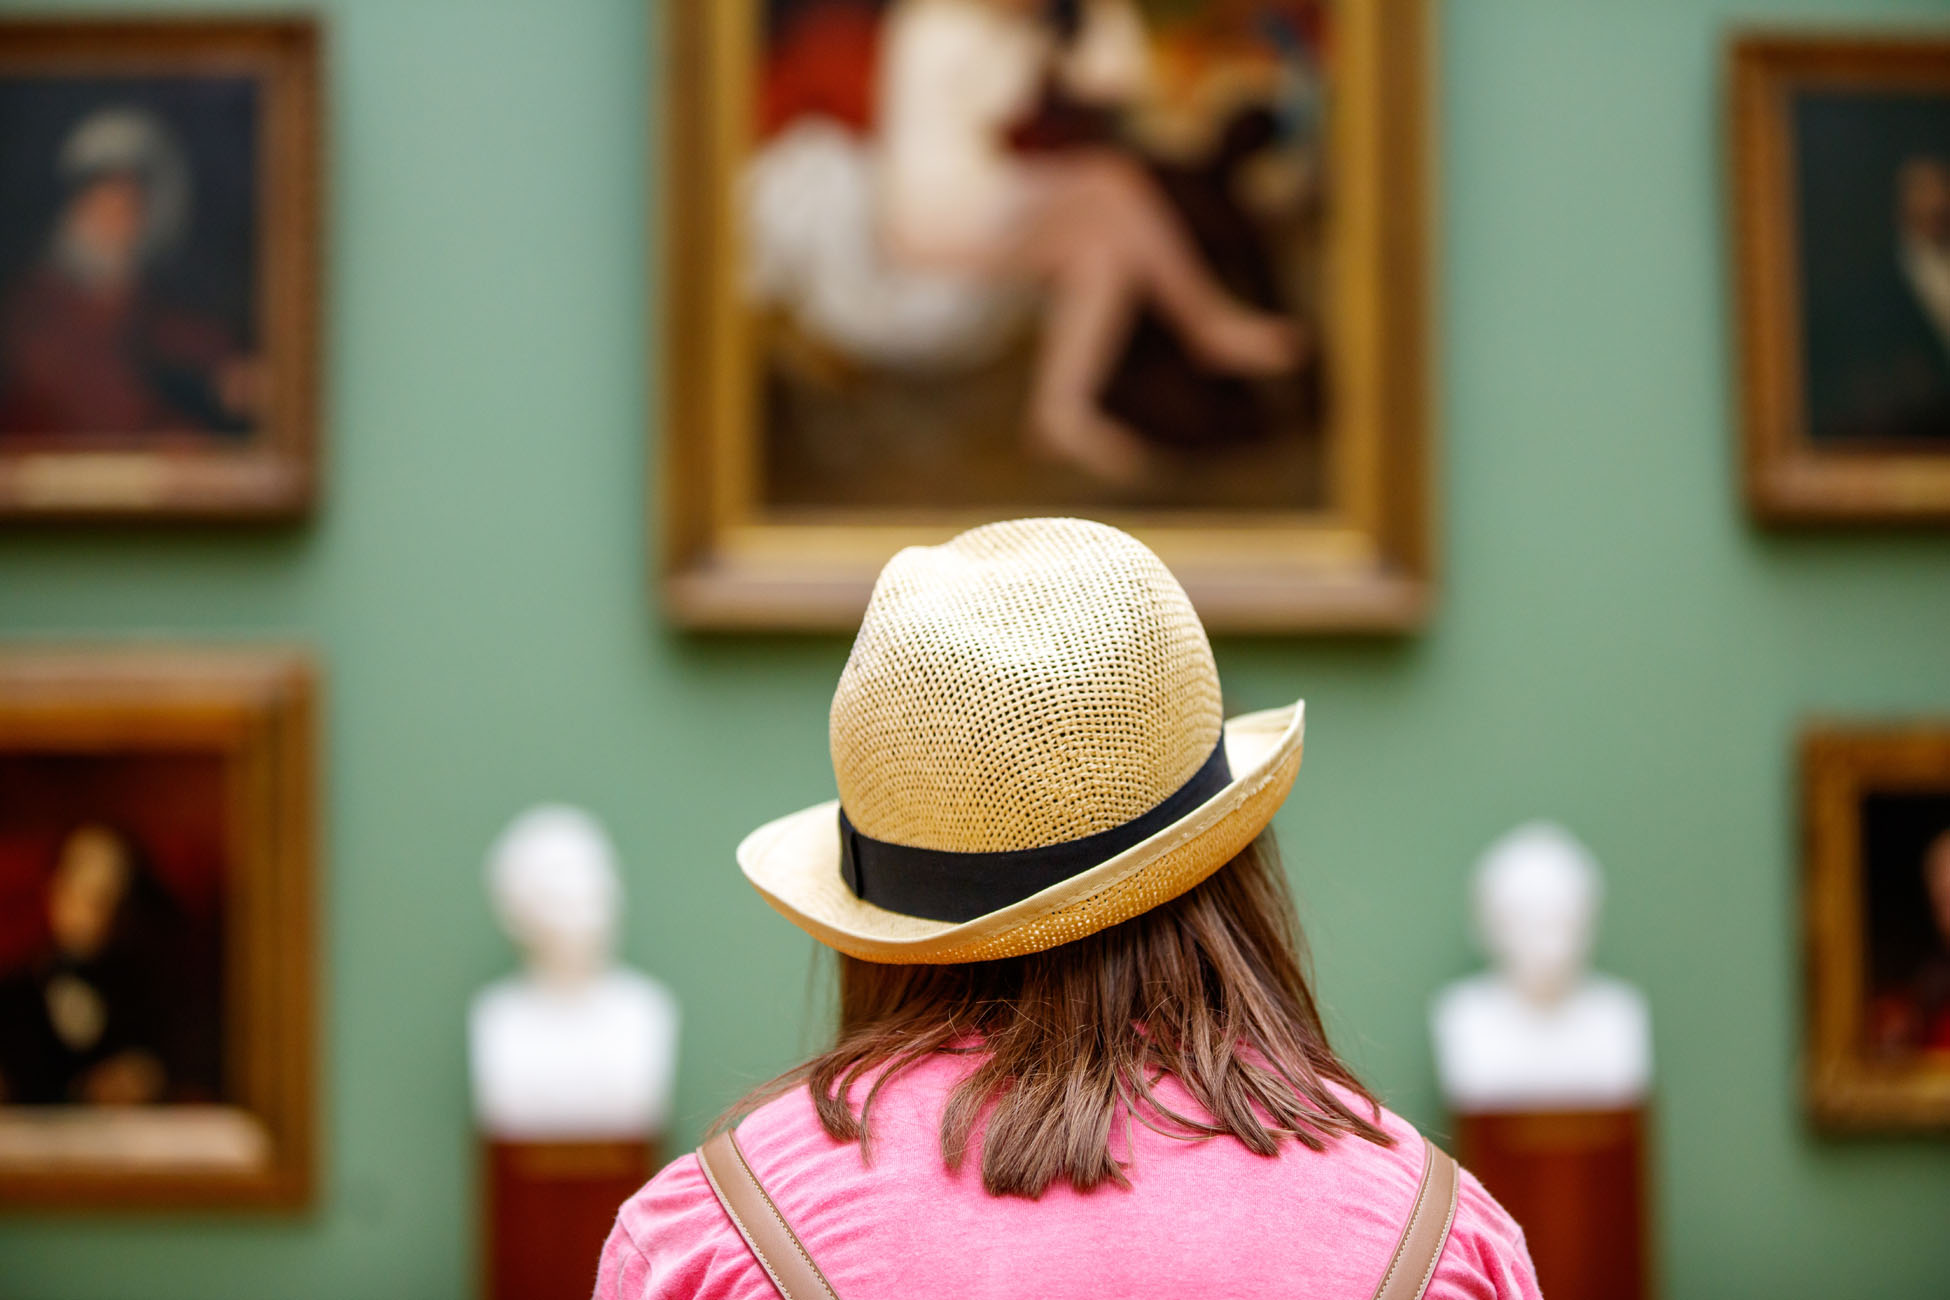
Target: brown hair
<point>1210,988</point>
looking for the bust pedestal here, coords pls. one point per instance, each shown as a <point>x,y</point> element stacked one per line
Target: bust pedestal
<point>1546,1067</point>
<point>1549,1103</point>
<point>572,1061</point>
<point>571,1085</point>
<point>549,1209</point>
<point>1576,1181</point>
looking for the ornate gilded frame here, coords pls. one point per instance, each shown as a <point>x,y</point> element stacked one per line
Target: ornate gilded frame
<point>1787,479</point>
<point>1363,564</point>
<point>275,476</point>
<point>256,709</point>
<point>1847,1088</point>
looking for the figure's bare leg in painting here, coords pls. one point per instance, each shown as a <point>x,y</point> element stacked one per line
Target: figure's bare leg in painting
<point>1102,238</point>
<point>1092,294</point>
<point>1106,198</point>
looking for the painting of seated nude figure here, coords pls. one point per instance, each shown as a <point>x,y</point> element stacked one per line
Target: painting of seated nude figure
<point>1101,257</point>
<point>1038,253</point>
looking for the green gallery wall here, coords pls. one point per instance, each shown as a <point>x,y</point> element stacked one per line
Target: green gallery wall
<point>1614,646</point>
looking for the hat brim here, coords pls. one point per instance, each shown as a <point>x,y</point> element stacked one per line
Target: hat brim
<point>795,863</point>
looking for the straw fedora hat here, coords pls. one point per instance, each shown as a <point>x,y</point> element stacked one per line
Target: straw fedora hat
<point>1029,748</point>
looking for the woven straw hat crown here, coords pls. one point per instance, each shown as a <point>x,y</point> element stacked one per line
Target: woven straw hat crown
<point>1028,683</point>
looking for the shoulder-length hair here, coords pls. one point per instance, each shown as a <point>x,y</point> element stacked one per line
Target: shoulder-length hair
<point>1210,989</point>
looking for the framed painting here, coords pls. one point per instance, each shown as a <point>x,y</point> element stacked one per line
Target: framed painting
<point>156,1038</point>
<point>1841,174</point>
<point>1876,802</point>
<point>159,289</point>
<point>930,263</point>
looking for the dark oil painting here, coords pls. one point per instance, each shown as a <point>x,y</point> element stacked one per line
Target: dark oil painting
<point>129,271</point>
<point>112,885</point>
<point>1906,880</point>
<point>1872,205</point>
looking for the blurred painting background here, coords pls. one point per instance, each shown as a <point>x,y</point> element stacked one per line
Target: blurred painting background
<point>959,218</point>
<point>1873,191</point>
<point>1906,861</point>
<point>128,247</point>
<point>1615,645</point>
<point>111,940</point>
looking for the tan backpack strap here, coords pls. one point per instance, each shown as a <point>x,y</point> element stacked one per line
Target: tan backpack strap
<point>777,1247</point>
<point>1427,1229</point>
<point>790,1265</point>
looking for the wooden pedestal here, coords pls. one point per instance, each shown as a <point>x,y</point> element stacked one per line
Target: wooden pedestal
<point>548,1209</point>
<point>1576,1181</point>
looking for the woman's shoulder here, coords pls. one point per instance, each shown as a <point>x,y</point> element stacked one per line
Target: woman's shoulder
<point>1486,1255</point>
<point>672,1238</point>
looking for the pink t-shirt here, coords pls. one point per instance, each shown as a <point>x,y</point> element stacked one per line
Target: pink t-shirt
<point>1201,1218</point>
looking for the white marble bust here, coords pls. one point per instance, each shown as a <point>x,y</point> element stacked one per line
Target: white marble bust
<point>573,1046</point>
<point>1539,1030</point>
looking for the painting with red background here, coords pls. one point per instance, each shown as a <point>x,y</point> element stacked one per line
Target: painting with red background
<point>170,808</point>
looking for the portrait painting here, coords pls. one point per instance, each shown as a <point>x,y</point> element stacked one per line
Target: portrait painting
<point>157,267</point>
<point>154,922</point>
<point>1906,879</point>
<point>112,867</point>
<point>1878,915</point>
<point>1843,173</point>
<point>935,262</point>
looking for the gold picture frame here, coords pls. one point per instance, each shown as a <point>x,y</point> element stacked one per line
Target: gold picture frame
<point>261,463</point>
<point>1858,785</point>
<point>1363,562</point>
<point>1790,475</point>
<point>105,723</point>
